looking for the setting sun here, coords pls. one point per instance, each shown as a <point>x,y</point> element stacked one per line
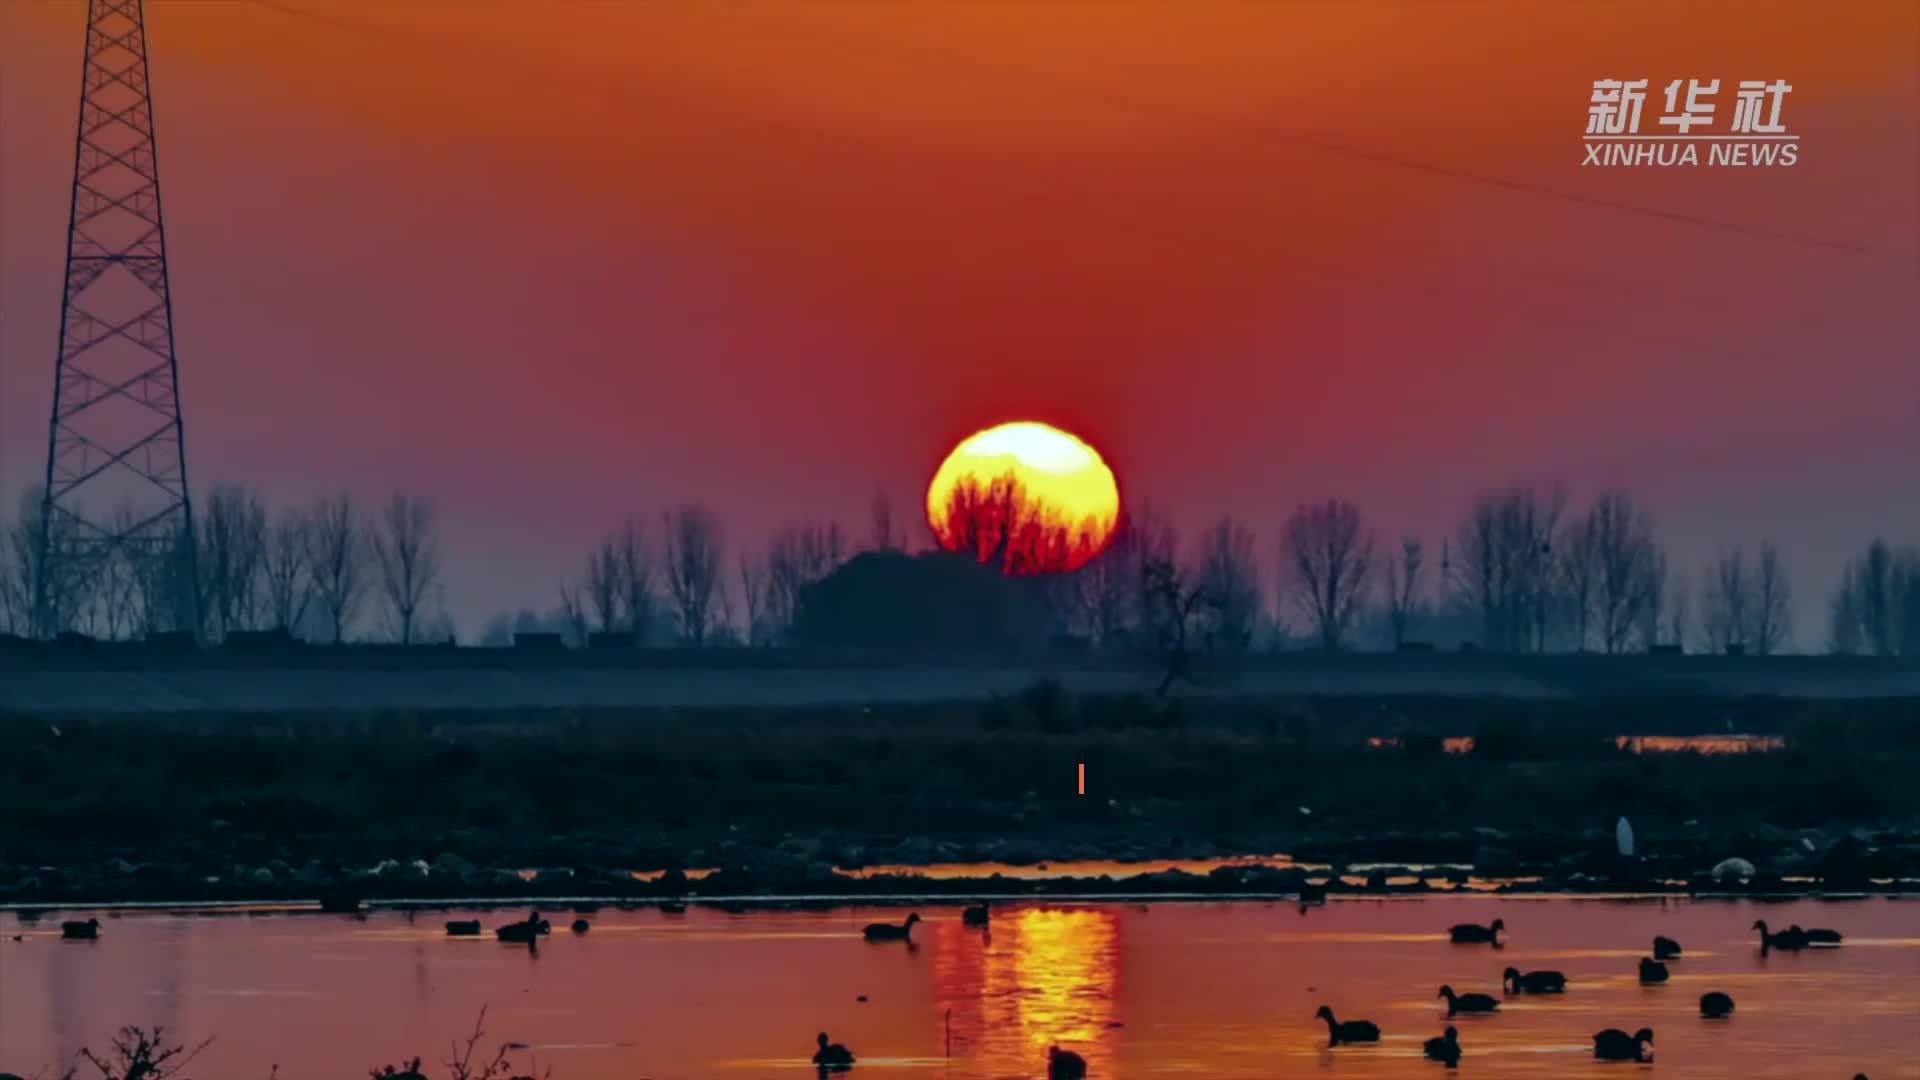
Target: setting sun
<point>1026,494</point>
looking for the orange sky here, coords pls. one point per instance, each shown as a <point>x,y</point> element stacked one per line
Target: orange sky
<point>557,263</point>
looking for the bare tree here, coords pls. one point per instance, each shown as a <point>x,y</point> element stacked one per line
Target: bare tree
<point>21,561</point>
<point>232,534</point>
<point>1728,606</point>
<point>575,622</point>
<point>1229,578</point>
<point>1328,556</point>
<point>1505,569</point>
<point>1876,609</point>
<point>999,522</point>
<point>1578,568</point>
<point>151,590</point>
<point>798,556</point>
<point>286,576</point>
<point>695,550</point>
<point>1843,616</point>
<point>605,593</point>
<point>1403,590</point>
<point>336,546</point>
<point>1679,608</point>
<point>1171,611</point>
<point>1772,611</point>
<point>753,594</point>
<point>1111,590</point>
<point>618,590</point>
<point>407,550</point>
<point>1617,535</point>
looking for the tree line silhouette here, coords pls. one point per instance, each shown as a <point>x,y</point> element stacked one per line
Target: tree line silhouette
<point>1521,572</point>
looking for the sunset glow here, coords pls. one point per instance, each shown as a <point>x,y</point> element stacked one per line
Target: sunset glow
<point>1062,485</point>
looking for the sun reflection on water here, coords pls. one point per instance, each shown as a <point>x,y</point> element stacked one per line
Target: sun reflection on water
<point>1039,977</point>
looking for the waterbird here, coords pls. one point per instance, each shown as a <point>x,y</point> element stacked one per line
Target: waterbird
<point>1446,1048</point>
<point>832,1056</point>
<point>1791,938</point>
<point>1065,1065</point>
<point>1665,948</point>
<point>80,931</point>
<point>1714,1005</point>
<point>881,931</point>
<point>1351,1031</point>
<point>1616,1045</point>
<point>1534,982</point>
<point>1467,1003</point>
<point>466,928</point>
<point>1817,936</point>
<point>528,931</point>
<point>977,915</point>
<point>1475,934</point>
<point>668,907</point>
<point>1652,971</point>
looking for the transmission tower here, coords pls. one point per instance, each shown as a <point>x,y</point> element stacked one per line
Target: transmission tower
<point>116,523</point>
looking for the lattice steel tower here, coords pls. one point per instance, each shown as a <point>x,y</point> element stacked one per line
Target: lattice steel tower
<point>116,526</point>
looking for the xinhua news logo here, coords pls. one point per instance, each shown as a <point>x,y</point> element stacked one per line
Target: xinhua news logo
<point>1753,137</point>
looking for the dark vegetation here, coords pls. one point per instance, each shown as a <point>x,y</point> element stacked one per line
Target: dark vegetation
<point>127,807</point>
<point>137,1053</point>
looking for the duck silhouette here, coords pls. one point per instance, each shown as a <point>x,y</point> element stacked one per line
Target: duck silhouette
<point>1351,1031</point>
<point>1792,938</point>
<point>1652,971</point>
<point>581,926</point>
<point>1616,1045</point>
<point>1065,1065</point>
<point>463,928</point>
<point>1714,1005</point>
<point>1534,982</point>
<point>832,1057</point>
<point>1467,1003</point>
<point>1475,934</point>
<point>88,930</point>
<point>881,931</point>
<point>526,932</point>
<point>1446,1048</point>
<point>1665,948</point>
<point>976,915</point>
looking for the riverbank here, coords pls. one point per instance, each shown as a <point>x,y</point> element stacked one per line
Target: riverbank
<point>1361,794</point>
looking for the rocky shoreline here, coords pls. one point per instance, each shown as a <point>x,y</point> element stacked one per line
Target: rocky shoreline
<point>1765,862</point>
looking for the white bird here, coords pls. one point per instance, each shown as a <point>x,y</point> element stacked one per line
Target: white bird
<point>1733,868</point>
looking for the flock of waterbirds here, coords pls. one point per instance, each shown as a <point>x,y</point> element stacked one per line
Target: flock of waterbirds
<point>1612,1044</point>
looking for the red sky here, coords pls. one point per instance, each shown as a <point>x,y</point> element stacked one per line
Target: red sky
<point>558,263</point>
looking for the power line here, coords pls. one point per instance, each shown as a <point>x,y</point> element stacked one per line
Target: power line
<point>1378,157</point>
<point>1431,168</point>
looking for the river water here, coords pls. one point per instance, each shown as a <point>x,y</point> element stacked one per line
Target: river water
<point>1167,989</point>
